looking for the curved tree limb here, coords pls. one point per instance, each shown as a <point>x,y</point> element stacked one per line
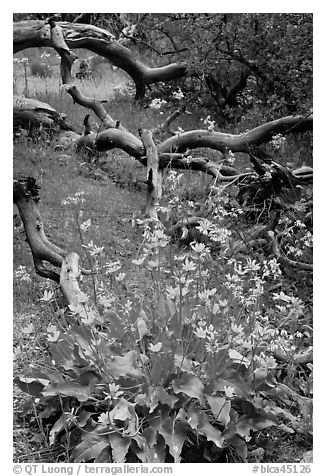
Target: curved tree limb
<point>34,33</point>
<point>42,249</point>
<point>25,196</point>
<point>31,114</point>
<point>67,59</point>
<point>284,259</point>
<point>236,142</point>
<point>220,141</point>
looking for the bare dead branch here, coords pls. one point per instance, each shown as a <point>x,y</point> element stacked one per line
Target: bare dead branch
<point>284,259</point>
<point>154,174</point>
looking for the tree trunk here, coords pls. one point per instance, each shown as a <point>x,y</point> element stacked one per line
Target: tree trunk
<point>25,194</point>
<point>69,276</point>
<point>154,175</point>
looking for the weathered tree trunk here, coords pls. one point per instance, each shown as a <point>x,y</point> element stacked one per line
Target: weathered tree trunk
<point>32,114</point>
<point>236,142</point>
<point>221,141</point>
<point>25,194</point>
<point>25,197</point>
<point>154,175</point>
<point>34,33</point>
<point>69,276</point>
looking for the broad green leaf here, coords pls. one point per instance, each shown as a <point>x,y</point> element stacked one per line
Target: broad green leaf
<point>159,453</point>
<point>90,447</point>
<point>239,358</point>
<point>161,395</point>
<point>239,445</point>
<point>241,388</point>
<point>62,350</point>
<point>69,389</point>
<point>59,425</point>
<point>158,417</point>
<point>242,427</point>
<point>220,408</point>
<point>121,410</point>
<point>31,386</point>
<point>264,380</point>
<point>88,378</point>
<point>192,417</point>
<point>124,366</point>
<point>83,418</point>
<point>190,385</point>
<point>83,336</point>
<point>104,456</point>
<point>119,445</point>
<point>162,365</point>
<point>116,325</point>
<point>257,418</point>
<point>260,422</point>
<point>141,448</point>
<point>208,430</point>
<point>49,374</point>
<point>183,363</point>
<point>174,434</point>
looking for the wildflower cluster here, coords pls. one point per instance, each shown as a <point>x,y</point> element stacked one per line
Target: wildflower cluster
<point>157,103</point>
<point>21,60</point>
<point>22,275</point>
<point>178,95</point>
<point>210,123</point>
<point>45,55</point>
<point>76,199</point>
<point>278,141</point>
<point>229,157</point>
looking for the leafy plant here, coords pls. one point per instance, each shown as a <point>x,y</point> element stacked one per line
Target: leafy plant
<point>191,365</point>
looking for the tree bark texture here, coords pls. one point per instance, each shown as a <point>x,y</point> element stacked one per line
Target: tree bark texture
<point>42,249</point>
<point>69,276</point>
<point>35,33</point>
<point>25,195</point>
<point>33,114</point>
<point>154,175</point>
<point>171,151</point>
<point>221,141</point>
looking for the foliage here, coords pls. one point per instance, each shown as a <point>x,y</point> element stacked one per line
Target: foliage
<point>202,356</point>
<point>190,363</point>
<point>243,59</point>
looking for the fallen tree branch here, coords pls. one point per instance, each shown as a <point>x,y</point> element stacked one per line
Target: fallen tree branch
<point>35,33</point>
<point>303,358</point>
<point>67,59</point>
<point>32,114</point>
<point>154,175</point>
<point>168,121</point>
<point>69,280</point>
<point>283,259</point>
<point>236,142</point>
<point>25,196</point>
<point>221,141</point>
